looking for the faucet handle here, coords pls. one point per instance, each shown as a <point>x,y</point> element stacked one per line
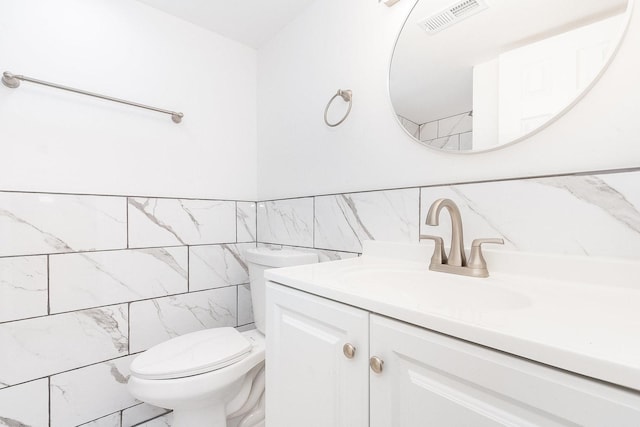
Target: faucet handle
<point>439,257</point>
<point>476,260</point>
<point>478,242</point>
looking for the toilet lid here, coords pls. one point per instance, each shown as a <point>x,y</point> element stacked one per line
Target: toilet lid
<point>192,354</point>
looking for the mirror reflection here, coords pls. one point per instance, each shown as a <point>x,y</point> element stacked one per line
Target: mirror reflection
<point>477,74</point>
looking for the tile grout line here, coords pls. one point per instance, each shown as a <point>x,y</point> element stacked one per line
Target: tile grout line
<point>151,419</point>
<point>48,284</point>
<point>62,193</point>
<point>66,371</point>
<point>308,247</point>
<point>116,304</point>
<point>129,327</point>
<point>120,411</point>
<point>256,221</point>
<point>480,181</point>
<point>127,213</point>
<point>49,397</point>
<point>92,251</point>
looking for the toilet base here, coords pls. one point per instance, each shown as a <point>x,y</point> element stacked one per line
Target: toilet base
<point>209,416</point>
<point>214,416</point>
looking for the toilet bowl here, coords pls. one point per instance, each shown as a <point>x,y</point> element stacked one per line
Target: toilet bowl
<point>214,377</point>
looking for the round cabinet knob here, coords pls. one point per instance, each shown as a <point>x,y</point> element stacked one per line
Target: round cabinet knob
<point>376,364</point>
<point>349,350</point>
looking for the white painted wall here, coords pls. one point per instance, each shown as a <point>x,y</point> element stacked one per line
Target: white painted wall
<point>61,142</point>
<point>540,79</point>
<point>337,44</point>
<point>486,110</point>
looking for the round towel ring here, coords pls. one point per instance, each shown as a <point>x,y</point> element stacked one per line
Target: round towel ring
<point>346,95</point>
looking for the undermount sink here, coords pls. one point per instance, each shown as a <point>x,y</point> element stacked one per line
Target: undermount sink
<point>427,290</point>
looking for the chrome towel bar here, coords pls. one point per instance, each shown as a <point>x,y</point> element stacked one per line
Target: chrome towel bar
<point>347,96</point>
<point>13,81</point>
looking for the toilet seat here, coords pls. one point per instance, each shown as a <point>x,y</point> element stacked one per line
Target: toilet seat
<point>191,392</point>
<point>192,354</point>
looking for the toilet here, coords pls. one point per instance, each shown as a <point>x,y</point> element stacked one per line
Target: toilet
<point>214,377</point>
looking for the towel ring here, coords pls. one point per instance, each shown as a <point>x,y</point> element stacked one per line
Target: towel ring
<point>346,95</point>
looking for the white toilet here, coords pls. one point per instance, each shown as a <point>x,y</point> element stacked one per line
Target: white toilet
<point>214,377</point>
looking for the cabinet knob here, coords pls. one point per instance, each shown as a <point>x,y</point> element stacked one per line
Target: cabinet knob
<point>349,350</point>
<point>376,364</point>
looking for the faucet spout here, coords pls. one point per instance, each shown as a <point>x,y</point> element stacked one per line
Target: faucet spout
<point>456,254</point>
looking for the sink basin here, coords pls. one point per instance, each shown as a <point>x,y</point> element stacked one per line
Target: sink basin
<point>428,293</point>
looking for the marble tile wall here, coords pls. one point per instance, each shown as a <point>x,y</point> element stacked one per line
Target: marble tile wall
<point>410,126</point>
<point>594,215</point>
<point>450,133</point>
<point>288,222</point>
<point>87,282</point>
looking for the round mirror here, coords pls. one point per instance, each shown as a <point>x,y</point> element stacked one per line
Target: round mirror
<point>474,75</point>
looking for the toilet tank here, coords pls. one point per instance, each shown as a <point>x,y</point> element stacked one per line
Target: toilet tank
<point>261,259</point>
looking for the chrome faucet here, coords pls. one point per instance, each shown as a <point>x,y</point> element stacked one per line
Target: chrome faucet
<point>456,262</point>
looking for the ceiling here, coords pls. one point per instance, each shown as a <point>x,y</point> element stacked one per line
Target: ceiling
<point>251,22</point>
<point>431,76</point>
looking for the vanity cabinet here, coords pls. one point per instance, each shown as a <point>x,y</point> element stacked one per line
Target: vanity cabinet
<point>427,378</point>
<point>430,379</point>
<point>311,381</point>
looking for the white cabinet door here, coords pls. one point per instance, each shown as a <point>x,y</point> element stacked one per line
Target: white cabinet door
<point>429,379</point>
<point>310,382</point>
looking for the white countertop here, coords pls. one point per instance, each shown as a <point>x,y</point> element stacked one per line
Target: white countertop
<point>578,314</point>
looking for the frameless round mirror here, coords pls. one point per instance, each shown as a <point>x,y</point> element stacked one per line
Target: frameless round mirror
<point>473,75</point>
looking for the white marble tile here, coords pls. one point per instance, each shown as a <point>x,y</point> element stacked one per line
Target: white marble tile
<point>429,131</point>
<point>38,347</point>
<point>624,186</point>
<point>158,320</point>
<point>245,308</point>
<point>112,420</point>
<point>246,222</point>
<point>166,222</point>
<point>345,220</point>
<point>53,223</point>
<point>140,413</point>
<point>23,287</point>
<point>25,405</point>
<point>91,392</point>
<point>163,421</point>
<point>580,215</point>
<point>286,222</point>
<point>215,266</point>
<point>475,225</point>
<point>84,280</point>
<point>450,143</point>
<point>411,127</point>
<point>460,123</point>
<point>466,141</point>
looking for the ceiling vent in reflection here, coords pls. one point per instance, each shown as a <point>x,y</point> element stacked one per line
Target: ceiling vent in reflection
<point>452,15</point>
